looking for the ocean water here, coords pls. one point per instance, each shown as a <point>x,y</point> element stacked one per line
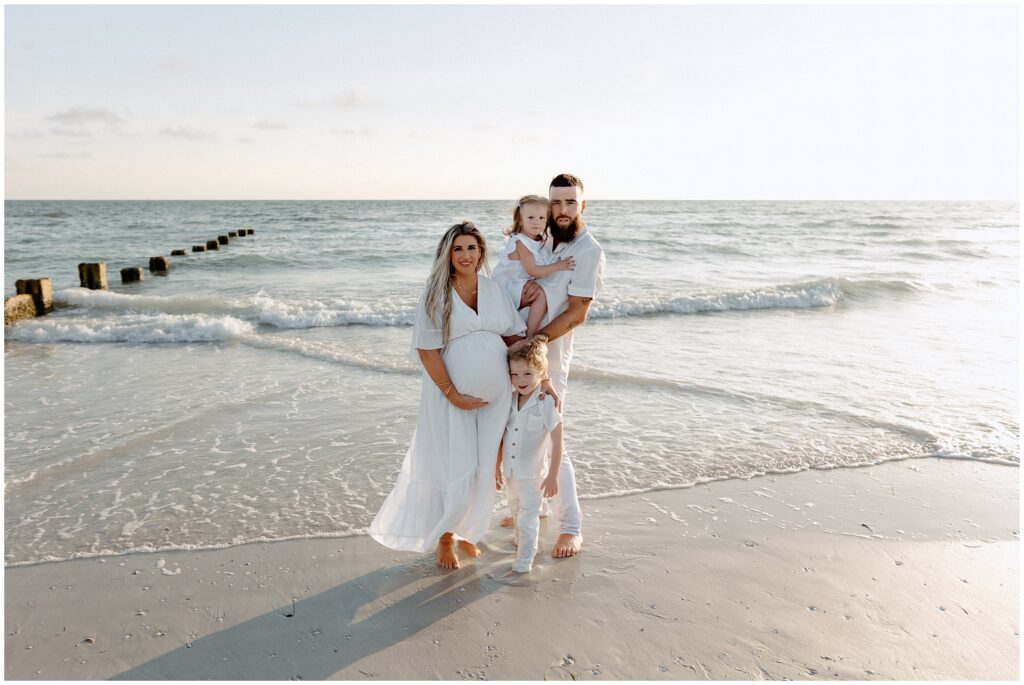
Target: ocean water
<point>263,391</point>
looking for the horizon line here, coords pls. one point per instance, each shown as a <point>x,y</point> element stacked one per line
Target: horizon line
<point>463,199</point>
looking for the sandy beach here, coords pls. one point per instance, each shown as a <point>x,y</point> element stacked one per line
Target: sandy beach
<point>906,570</point>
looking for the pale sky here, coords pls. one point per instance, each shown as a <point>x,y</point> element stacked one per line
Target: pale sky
<point>474,102</point>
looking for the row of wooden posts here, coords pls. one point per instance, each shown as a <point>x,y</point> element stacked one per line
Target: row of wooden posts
<point>35,295</point>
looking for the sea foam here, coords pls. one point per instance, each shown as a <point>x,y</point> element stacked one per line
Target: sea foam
<point>312,313</point>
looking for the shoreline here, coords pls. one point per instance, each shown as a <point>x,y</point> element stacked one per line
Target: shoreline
<point>902,570</point>
<point>86,556</point>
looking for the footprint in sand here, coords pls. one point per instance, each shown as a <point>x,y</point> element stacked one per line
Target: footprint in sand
<point>513,578</point>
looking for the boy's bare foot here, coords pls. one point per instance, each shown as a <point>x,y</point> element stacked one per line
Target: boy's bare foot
<point>567,546</point>
<point>446,556</point>
<point>469,548</point>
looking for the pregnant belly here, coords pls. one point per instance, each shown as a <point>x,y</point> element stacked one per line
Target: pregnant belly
<point>478,366</point>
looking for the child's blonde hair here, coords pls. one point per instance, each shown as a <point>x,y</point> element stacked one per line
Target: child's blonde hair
<point>517,213</point>
<point>533,351</point>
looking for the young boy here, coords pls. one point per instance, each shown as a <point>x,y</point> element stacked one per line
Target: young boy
<point>531,451</point>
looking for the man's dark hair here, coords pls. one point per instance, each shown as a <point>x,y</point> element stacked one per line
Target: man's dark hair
<point>566,181</point>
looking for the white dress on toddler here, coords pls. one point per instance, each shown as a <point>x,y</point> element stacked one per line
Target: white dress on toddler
<point>510,273</point>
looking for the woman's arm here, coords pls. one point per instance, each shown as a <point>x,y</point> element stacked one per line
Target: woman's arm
<point>530,263</point>
<point>438,372</point>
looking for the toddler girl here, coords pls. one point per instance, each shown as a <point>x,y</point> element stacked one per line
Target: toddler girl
<point>531,452</point>
<point>526,255</point>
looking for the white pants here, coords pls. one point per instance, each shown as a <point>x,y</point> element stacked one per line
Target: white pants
<point>524,499</point>
<point>566,504</point>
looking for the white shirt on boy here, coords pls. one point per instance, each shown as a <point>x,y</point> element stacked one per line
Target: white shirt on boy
<point>526,449</point>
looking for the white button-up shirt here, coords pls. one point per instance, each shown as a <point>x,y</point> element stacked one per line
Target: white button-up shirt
<point>526,449</point>
<point>585,280</point>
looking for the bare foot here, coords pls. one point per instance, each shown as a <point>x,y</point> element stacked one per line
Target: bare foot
<point>469,548</point>
<point>446,556</point>
<point>567,546</point>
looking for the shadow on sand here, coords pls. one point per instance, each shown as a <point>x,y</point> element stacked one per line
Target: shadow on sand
<point>321,635</point>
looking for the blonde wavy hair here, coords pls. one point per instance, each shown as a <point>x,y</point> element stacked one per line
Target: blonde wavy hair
<point>517,213</point>
<point>442,274</point>
<point>533,351</point>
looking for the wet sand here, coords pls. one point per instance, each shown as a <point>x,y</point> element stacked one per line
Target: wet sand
<point>907,570</point>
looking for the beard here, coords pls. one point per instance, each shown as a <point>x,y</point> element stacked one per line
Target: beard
<point>567,234</point>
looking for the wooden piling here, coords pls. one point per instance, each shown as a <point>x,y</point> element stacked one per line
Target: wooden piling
<point>232,234</point>
<point>242,232</point>
<point>159,265</point>
<point>132,274</point>
<point>222,239</point>
<point>199,248</point>
<point>212,245</point>
<point>41,292</point>
<point>93,275</point>
<point>177,253</point>
<point>18,307</point>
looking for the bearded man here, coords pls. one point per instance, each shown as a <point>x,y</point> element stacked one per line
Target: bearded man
<point>569,295</point>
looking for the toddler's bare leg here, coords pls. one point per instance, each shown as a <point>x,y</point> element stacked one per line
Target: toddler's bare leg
<point>535,319</point>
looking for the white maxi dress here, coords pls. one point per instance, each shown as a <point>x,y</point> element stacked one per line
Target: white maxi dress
<point>447,479</point>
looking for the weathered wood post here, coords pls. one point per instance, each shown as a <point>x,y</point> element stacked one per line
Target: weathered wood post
<point>93,275</point>
<point>132,274</point>
<point>159,265</point>
<point>249,231</point>
<point>41,292</point>
<point>222,239</point>
<point>212,245</point>
<point>232,234</point>
<point>18,307</point>
<point>177,253</point>
<point>241,232</point>
<point>199,248</point>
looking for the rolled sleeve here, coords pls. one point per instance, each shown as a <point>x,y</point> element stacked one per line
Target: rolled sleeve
<point>549,414</point>
<point>587,277</point>
<point>425,333</point>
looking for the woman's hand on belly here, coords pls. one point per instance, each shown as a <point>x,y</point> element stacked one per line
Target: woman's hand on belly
<point>478,365</point>
<point>467,402</point>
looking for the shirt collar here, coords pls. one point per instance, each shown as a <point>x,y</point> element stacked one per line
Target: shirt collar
<point>532,399</point>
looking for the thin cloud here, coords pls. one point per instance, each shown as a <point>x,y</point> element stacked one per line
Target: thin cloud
<point>347,100</point>
<point>270,126</point>
<point>66,155</point>
<point>26,134</point>
<point>364,132</point>
<point>71,132</point>
<point>186,132</point>
<point>84,116</point>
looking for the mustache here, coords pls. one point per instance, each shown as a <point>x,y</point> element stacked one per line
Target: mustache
<point>564,235</point>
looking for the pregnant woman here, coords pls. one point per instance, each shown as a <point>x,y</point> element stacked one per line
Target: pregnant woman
<point>444,494</point>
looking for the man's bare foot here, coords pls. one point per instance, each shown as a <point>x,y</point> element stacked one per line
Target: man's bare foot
<point>469,548</point>
<point>567,546</point>
<point>446,556</point>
